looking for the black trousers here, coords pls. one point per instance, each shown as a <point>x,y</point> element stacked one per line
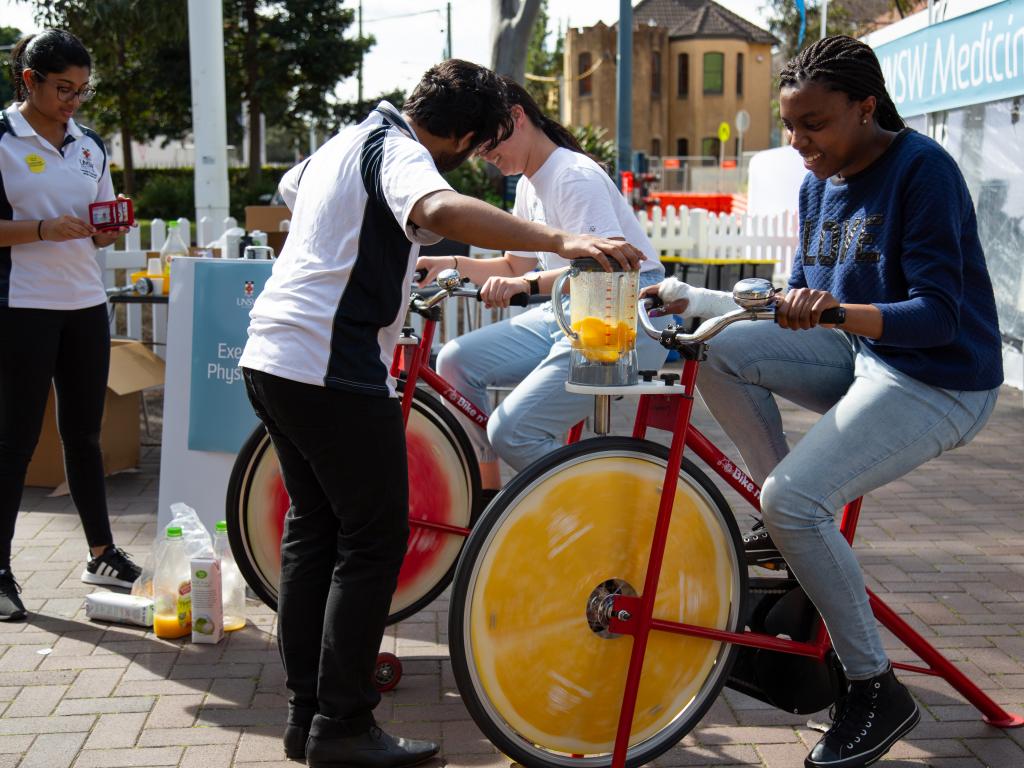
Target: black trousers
<point>343,462</point>
<point>71,348</point>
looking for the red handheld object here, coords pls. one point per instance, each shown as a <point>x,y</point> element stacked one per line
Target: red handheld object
<point>112,213</point>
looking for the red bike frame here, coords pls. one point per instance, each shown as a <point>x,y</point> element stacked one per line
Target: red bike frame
<point>412,356</point>
<point>632,615</point>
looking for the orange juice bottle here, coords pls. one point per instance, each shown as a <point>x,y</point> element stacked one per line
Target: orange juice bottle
<point>172,589</point>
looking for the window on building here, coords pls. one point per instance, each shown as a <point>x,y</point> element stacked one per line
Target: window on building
<point>583,64</point>
<point>656,147</point>
<point>683,65</point>
<point>710,147</point>
<point>682,147</point>
<point>714,72</point>
<point>656,74</point>
<point>739,74</point>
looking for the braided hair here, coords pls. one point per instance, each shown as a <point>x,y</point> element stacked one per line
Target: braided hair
<point>841,63</point>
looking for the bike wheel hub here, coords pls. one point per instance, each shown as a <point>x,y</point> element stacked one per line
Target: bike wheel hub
<point>601,605</point>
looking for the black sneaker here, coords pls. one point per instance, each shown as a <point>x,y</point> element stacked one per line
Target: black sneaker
<point>760,549</point>
<point>11,607</point>
<point>112,569</point>
<point>873,716</point>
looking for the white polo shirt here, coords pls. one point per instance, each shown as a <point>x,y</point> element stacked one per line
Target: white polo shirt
<point>572,193</point>
<point>40,181</point>
<point>332,310</point>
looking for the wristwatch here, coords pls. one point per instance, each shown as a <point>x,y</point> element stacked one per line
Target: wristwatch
<point>533,281</point>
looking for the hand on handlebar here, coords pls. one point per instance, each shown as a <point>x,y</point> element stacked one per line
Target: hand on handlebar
<point>498,291</point>
<point>604,250</point>
<point>801,308</point>
<point>431,265</point>
<point>676,307</point>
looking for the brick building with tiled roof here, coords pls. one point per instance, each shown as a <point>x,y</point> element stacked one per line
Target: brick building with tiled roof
<point>695,64</point>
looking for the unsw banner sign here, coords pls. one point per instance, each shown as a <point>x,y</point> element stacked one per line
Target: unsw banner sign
<point>968,60</point>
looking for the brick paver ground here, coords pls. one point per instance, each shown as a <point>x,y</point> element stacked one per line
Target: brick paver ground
<point>944,546</point>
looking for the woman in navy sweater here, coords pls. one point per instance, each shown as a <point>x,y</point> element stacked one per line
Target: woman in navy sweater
<point>887,232</point>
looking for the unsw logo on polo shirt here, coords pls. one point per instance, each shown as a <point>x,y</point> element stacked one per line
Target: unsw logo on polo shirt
<point>85,162</point>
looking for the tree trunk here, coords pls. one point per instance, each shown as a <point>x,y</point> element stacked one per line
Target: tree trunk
<point>126,131</point>
<point>511,25</point>
<point>251,78</point>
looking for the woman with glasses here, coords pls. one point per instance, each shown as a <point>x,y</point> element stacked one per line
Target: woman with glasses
<point>53,313</point>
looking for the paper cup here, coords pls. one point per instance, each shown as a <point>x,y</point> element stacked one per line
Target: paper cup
<point>158,285</point>
<point>153,266</point>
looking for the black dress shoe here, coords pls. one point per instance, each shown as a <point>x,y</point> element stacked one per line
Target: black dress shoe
<point>372,749</point>
<point>295,737</point>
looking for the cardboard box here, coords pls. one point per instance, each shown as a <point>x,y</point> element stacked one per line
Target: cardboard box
<point>133,368</point>
<point>267,218</point>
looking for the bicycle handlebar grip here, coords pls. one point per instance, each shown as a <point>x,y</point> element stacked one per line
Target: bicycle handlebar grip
<point>419,275</point>
<point>831,316</point>
<point>515,300</point>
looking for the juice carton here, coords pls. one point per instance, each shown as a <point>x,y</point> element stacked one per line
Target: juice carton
<point>207,608</point>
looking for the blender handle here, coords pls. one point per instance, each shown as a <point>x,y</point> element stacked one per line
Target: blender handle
<point>556,302</point>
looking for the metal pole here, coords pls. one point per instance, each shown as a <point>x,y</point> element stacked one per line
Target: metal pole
<point>624,88</point>
<point>448,27</point>
<point>824,18</point>
<point>210,126</point>
<point>359,78</point>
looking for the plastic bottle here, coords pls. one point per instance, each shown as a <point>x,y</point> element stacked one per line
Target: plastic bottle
<point>174,246</point>
<point>172,589</point>
<point>232,585</point>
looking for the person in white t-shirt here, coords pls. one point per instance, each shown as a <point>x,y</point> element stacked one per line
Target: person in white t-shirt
<point>564,187</point>
<point>317,371</point>
<point>53,305</point>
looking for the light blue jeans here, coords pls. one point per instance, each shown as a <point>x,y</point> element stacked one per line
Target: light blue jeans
<point>530,352</point>
<point>878,425</point>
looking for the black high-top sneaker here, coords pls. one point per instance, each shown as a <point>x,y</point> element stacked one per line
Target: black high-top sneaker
<point>873,716</point>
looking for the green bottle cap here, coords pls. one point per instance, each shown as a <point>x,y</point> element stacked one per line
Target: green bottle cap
<point>222,526</point>
<point>173,532</point>
<point>172,224</point>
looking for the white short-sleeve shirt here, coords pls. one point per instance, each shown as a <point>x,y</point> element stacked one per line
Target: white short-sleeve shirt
<point>573,193</point>
<point>40,181</point>
<point>333,308</point>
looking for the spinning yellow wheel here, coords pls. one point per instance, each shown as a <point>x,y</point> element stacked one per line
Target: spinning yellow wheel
<point>542,674</point>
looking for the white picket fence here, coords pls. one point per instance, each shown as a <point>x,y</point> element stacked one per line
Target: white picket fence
<point>699,237</point>
<point>706,238</point>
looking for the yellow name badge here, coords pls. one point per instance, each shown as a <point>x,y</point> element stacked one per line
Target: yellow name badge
<point>35,163</point>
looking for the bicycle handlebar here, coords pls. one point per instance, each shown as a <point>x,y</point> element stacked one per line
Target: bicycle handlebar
<point>449,283</point>
<point>715,325</point>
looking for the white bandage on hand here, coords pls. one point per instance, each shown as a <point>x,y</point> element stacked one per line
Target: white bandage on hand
<point>702,302</point>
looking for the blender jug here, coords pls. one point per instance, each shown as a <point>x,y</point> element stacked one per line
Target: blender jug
<point>602,308</point>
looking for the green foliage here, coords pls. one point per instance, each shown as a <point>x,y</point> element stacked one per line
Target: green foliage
<point>167,193</point>
<point>592,140</point>
<point>543,62</point>
<point>138,48</point>
<point>784,23</point>
<point>350,112</point>
<point>8,36</point>
<point>284,57</point>
<point>471,178</point>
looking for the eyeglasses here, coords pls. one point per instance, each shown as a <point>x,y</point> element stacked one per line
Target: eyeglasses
<point>67,95</point>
